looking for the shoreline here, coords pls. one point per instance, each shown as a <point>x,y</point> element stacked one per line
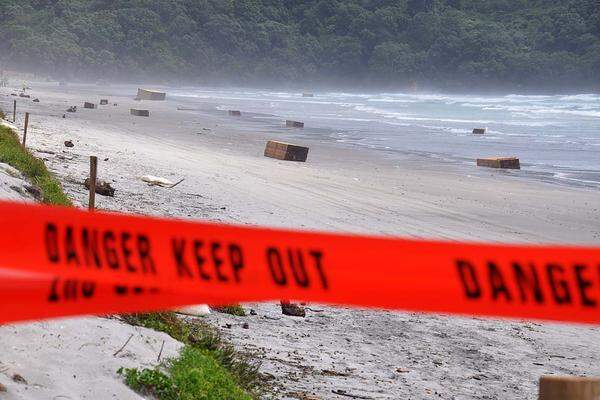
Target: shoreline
<point>377,354</point>
<point>338,189</point>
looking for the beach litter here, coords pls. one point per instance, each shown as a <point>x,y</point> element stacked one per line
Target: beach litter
<point>499,162</point>
<point>69,143</point>
<point>294,124</point>
<point>36,100</point>
<point>146,94</point>
<point>89,105</point>
<point>103,102</point>
<point>102,187</point>
<point>139,113</point>
<point>235,113</point>
<point>72,109</point>
<point>26,96</point>
<point>479,131</point>
<point>286,151</point>
<point>159,181</point>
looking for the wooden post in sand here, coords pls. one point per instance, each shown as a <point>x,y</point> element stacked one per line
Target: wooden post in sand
<point>93,173</point>
<point>569,388</point>
<point>25,128</point>
<point>14,111</point>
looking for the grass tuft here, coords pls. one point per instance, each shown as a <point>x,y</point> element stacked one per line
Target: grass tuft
<point>206,363</point>
<point>195,374</point>
<point>233,309</point>
<point>14,154</point>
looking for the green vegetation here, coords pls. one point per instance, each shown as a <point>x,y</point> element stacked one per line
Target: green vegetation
<point>195,374</point>
<point>207,368</point>
<point>14,154</point>
<point>396,43</point>
<point>233,309</point>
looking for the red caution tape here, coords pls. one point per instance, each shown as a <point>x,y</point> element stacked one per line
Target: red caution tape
<point>62,261</point>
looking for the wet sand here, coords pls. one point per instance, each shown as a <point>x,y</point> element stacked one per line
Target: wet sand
<point>339,189</point>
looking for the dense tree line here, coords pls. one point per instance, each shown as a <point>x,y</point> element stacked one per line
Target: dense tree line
<point>389,43</point>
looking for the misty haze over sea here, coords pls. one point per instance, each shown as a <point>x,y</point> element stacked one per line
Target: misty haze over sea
<point>556,136</point>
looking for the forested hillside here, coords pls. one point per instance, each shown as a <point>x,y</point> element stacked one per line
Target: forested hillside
<point>387,43</point>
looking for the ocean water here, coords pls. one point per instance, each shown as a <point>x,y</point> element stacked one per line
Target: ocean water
<point>556,137</point>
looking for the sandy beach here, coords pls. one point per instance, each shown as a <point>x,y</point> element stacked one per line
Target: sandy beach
<point>376,355</point>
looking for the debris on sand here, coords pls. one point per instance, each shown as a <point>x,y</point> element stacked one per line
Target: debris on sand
<point>293,310</point>
<point>199,310</point>
<point>341,392</point>
<point>146,94</point>
<point>102,187</point>
<point>36,100</point>
<point>19,379</point>
<point>139,113</point>
<point>34,191</point>
<point>286,151</point>
<point>158,181</point>
<point>69,143</point>
<point>26,96</point>
<point>72,109</point>
<point>499,162</point>
<point>45,151</point>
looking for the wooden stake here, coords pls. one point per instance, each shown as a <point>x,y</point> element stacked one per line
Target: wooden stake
<point>25,128</point>
<point>93,171</point>
<point>14,111</point>
<point>569,388</point>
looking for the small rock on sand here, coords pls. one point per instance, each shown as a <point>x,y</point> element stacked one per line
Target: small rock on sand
<point>69,143</point>
<point>292,310</point>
